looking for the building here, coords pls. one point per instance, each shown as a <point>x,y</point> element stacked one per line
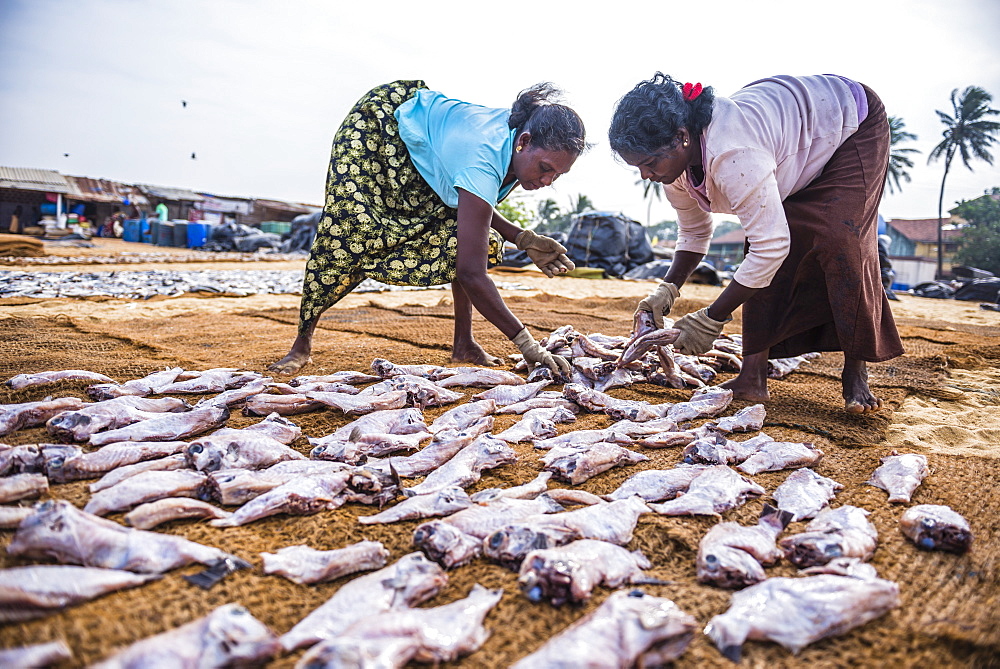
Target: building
<point>913,250</point>
<point>27,195</point>
<point>727,249</point>
<point>97,199</point>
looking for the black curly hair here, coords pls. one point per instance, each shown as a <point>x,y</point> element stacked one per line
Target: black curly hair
<point>553,126</point>
<point>647,118</point>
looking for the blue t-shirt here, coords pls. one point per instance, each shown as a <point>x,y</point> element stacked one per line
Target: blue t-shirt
<point>455,144</point>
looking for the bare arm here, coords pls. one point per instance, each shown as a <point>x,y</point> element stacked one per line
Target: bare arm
<point>475,217</point>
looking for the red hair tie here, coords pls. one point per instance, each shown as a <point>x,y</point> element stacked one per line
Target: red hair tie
<point>691,91</point>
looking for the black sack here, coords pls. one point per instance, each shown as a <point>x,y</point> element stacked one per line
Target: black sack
<point>612,242</point>
<point>980,290</point>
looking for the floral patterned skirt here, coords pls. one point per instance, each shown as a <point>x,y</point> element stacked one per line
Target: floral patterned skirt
<point>380,219</point>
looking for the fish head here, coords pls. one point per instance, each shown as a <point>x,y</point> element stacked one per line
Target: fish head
<point>728,567</point>
<point>205,456</point>
<point>445,544</point>
<point>416,579</point>
<point>510,544</point>
<point>234,637</point>
<point>551,579</point>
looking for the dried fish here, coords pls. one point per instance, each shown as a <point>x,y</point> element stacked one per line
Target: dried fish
<point>407,582</point>
<point>231,448</point>
<point>747,419</point>
<point>147,385</point>
<point>14,417</point>
<point>238,486</point>
<point>576,465</point>
<point>147,487</point>
<point>80,465</point>
<point>387,370</point>
<point>795,612</point>
<point>731,555</point>
<point>22,486</point>
<point>37,590</point>
<point>59,530</point>
<point>22,381</point>
<point>936,527</point>
<point>596,401</point>
<point>304,565</point>
<point>482,377</point>
<point>355,405</point>
<point>644,343</point>
<point>318,386</point>
<point>899,475</point>
<point>263,404</point>
<point>537,424</point>
<point>229,636</point>
<point>776,455</point>
<point>579,439</point>
<point>805,493</point>
<point>543,400</point>
<point>704,403</point>
<point>460,417</point>
<point>300,496</point>
<point>24,459</point>
<point>507,395</point>
<point>349,377</point>
<point>11,517</point>
<point>570,573</point>
<point>629,629</point>
<point>529,490</point>
<point>443,502</point>
<point>168,427</point>
<point>231,398</point>
<point>211,381</point>
<point>779,368</point>
<point>655,485</point>
<point>715,449</point>
<point>119,474</point>
<point>149,515</point>
<point>445,445</point>
<point>36,655</point>
<point>833,533</point>
<point>466,467</point>
<point>714,491</point>
<point>395,638</point>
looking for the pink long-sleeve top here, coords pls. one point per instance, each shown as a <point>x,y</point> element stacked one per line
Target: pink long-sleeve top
<point>767,141</point>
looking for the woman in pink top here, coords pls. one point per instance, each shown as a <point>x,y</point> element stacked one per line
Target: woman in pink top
<point>801,161</point>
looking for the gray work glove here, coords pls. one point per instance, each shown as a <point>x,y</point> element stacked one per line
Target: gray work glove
<point>547,254</point>
<point>659,302</point>
<point>536,355</point>
<point>698,332</point>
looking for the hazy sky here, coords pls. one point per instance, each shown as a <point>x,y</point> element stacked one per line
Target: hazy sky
<point>267,83</point>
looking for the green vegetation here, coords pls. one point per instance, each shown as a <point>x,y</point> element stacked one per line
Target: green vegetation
<point>899,161</point>
<point>979,245</point>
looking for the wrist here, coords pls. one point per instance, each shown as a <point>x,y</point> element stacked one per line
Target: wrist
<point>718,318</point>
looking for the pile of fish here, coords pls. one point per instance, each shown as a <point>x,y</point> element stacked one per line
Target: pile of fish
<point>146,257</point>
<point>165,458</point>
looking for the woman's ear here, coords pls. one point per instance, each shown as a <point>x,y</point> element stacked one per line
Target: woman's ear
<point>523,141</point>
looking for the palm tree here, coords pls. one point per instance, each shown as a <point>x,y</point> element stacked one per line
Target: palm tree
<point>899,162</point>
<point>969,134</point>
<point>654,188</point>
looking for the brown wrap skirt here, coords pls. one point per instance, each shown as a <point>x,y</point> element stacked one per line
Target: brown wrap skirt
<point>828,295</point>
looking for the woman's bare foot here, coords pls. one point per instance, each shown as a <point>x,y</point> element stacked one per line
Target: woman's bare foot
<point>474,353</point>
<point>751,383</point>
<point>858,397</point>
<point>296,359</point>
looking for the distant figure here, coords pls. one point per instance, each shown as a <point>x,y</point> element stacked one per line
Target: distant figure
<point>411,195</point>
<point>801,161</point>
<point>885,266</point>
<point>162,212</point>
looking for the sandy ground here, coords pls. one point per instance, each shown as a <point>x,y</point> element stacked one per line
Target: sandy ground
<point>942,400</point>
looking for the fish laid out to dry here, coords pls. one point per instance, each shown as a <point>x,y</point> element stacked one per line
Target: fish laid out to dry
<point>22,486</point>
<point>935,527</point>
<point>407,582</point>
<point>234,487</point>
<point>899,475</point>
<point>583,438</point>
<point>704,403</point>
<point>546,399</point>
<point>60,531</point>
<point>363,447</point>
<point>409,420</point>
<point>166,427</point>
<point>119,474</point>
<point>613,522</point>
<point>36,655</point>
<point>805,493</point>
<point>231,448</point>
<point>776,455</point>
<point>846,566</point>
<point>537,424</point>
<point>316,387</point>
<point>263,404</point>
<point>387,370</point>
<point>713,448</point>
<point>149,515</point>
<point>443,502</point>
<point>646,342</point>
<point>37,590</point>
<point>211,381</point>
<point>304,565</point>
<point>23,459</point>
<point>481,377</point>
<point>445,445</point>
<point>529,490</point>
<point>350,377</point>
<point>714,491</point>
<point>466,466</point>
<point>507,395</point>
<point>22,381</point>
<point>236,396</point>
<point>147,385</point>
<point>82,465</point>
<point>656,485</point>
<point>229,636</point>
<point>423,392</point>
<point>570,573</point>
<point>300,496</point>
<point>11,516</point>
<point>148,487</point>
<point>460,417</point>
<point>833,533</point>
<point>747,419</point>
<point>795,612</point>
<point>629,629</point>
<point>598,402</point>
<point>731,555</point>
<point>14,417</point>
<point>393,639</point>
<point>457,539</point>
<point>356,405</point>
<point>576,465</point>
<point>779,368</point>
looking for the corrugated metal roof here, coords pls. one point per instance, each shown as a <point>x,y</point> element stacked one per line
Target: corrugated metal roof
<point>29,178</point>
<point>105,190</point>
<point>167,193</point>
<point>283,206</point>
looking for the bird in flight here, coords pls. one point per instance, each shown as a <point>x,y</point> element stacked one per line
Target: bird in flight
<point>184,103</point>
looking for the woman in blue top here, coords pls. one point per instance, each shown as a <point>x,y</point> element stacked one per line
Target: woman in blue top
<point>411,192</point>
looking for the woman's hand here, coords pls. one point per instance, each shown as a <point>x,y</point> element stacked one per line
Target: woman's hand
<point>659,302</point>
<point>547,254</point>
<point>698,332</point>
<point>536,355</point>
